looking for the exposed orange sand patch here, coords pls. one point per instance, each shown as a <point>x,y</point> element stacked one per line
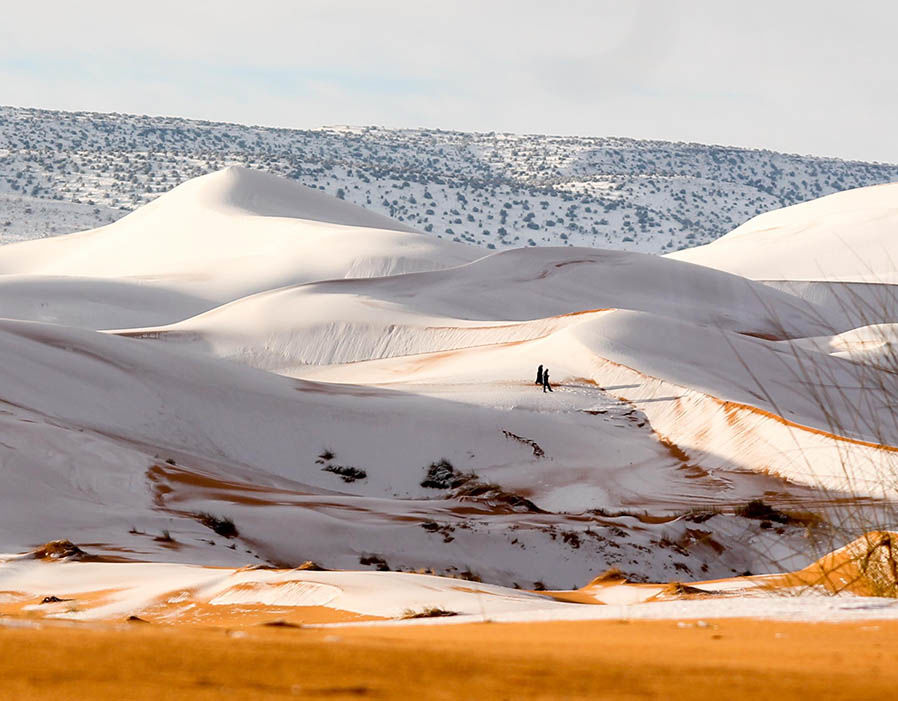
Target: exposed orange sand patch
<point>732,659</point>
<point>181,608</point>
<point>207,615</point>
<point>574,596</point>
<point>867,566</point>
<point>26,606</point>
<point>587,311</point>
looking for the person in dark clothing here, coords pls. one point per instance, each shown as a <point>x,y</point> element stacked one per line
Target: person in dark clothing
<point>539,375</point>
<point>546,385</point>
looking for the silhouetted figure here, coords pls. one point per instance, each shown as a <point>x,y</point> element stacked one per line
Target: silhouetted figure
<point>546,385</point>
<point>539,375</point>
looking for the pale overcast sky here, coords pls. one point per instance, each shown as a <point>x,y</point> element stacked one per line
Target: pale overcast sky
<point>811,77</point>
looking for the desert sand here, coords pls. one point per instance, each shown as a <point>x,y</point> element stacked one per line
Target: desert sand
<point>732,659</point>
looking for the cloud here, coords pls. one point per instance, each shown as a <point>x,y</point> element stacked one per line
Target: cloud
<point>810,77</point>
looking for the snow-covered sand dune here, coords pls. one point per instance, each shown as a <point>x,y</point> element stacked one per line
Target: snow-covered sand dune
<point>811,417</point>
<point>102,415</point>
<point>84,589</point>
<point>347,390</point>
<point>229,234</point>
<point>470,305</point>
<point>848,236</point>
<point>93,302</point>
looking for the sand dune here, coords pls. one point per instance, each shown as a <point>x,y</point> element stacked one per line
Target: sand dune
<point>472,305</point>
<point>343,389</point>
<point>229,234</point>
<point>847,236</point>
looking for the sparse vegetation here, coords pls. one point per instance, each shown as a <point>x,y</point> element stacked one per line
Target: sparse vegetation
<point>346,472</point>
<point>445,530</point>
<point>571,538</point>
<point>325,456</point>
<point>700,515</point>
<point>374,560</point>
<point>494,494</point>
<point>428,612</point>
<point>222,525</point>
<point>164,537</point>
<point>757,509</point>
<point>53,600</point>
<point>538,452</point>
<point>610,194</point>
<point>852,539</point>
<point>443,475</point>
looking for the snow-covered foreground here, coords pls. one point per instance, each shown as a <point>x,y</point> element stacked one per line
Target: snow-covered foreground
<point>246,371</point>
<point>68,585</point>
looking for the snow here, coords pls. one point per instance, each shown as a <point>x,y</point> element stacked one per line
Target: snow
<point>470,305</point>
<point>204,354</point>
<point>67,171</point>
<point>224,236</point>
<point>847,236</point>
<point>170,591</point>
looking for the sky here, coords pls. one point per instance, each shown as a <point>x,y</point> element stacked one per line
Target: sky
<point>809,77</point>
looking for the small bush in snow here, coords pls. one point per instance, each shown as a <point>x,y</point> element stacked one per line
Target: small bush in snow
<point>347,472</point>
<point>428,612</point>
<point>222,525</point>
<point>442,475</point>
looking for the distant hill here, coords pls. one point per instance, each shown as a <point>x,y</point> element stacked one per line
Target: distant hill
<point>67,171</point>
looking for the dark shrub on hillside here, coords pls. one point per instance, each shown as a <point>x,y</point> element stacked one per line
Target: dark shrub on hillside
<point>222,525</point>
<point>347,473</point>
<point>442,475</point>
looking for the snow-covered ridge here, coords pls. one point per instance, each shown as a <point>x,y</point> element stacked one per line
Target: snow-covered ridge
<point>496,190</point>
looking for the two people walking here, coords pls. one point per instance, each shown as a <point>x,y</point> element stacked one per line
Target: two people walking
<point>542,378</point>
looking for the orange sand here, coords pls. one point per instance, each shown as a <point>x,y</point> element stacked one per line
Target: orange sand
<point>733,659</point>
